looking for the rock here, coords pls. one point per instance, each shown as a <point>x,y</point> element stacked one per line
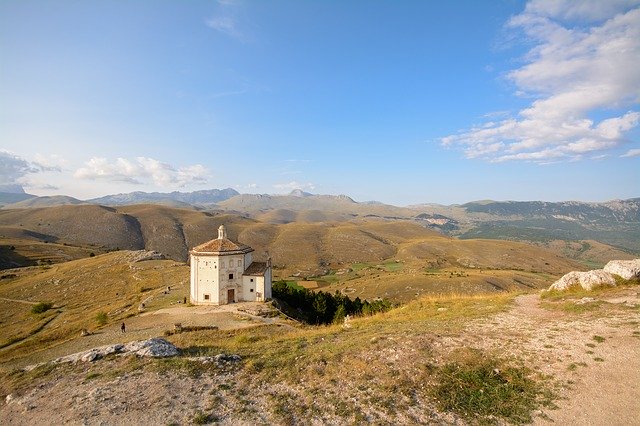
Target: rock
<point>585,300</point>
<point>90,357</point>
<point>142,255</point>
<point>84,332</point>
<point>586,280</point>
<point>627,269</point>
<point>224,358</point>
<point>9,398</point>
<point>156,347</point>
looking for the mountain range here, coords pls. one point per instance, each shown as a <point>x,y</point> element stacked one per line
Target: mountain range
<point>614,222</point>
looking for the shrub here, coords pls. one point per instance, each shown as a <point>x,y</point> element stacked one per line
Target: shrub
<point>478,386</point>
<point>41,307</point>
<point>324,308</point>
<point>101,318</point>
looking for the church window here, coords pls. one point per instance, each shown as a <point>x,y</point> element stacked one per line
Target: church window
<point>222,264</point>
<point>251,281</point>
<point>206,297</point>
<point>230,276</point>
<point>251,290</point>
<point>239,262</point>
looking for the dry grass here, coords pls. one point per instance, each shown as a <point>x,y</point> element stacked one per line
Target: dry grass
<point>79,291</point>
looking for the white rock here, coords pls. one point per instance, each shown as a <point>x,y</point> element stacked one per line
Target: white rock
<point>627,269</point>
<point>586,280</point>
<point>156,347</point>
<point>9,398</point>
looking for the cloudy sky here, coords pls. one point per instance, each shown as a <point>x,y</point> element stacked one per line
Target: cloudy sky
<point>401,102</point>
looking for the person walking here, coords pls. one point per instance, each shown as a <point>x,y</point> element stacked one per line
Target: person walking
<point>122,327</point>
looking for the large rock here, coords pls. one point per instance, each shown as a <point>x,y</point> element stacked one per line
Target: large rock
<point>627,269</point>
<point>586,280</point>
<point>156,347</point>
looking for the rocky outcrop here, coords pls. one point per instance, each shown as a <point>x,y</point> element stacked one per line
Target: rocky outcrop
<point>142,255</point>
<point>156,347</point>
<point>587,280</point>
<point>627,269</point>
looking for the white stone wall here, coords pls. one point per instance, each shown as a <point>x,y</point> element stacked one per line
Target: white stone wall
<point>231,265</point>
<point>204,279</point>
<point>248,284</point>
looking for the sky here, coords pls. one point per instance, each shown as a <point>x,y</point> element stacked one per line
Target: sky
<point>402,102</point>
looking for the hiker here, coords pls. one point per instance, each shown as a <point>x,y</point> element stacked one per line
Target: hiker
<point>122,327</point>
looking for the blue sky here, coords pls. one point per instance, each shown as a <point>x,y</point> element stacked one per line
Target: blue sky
<point>401,102</point>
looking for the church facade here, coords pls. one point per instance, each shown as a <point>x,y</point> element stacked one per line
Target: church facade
<point>223,271</point>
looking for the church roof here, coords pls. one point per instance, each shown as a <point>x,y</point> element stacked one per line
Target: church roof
<point>256,269</point>
<point>221,246</point>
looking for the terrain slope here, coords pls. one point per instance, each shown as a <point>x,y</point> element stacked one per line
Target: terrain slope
<point>574,361</point>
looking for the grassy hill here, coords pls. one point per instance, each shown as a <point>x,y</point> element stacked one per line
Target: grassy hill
<point>112,284</point>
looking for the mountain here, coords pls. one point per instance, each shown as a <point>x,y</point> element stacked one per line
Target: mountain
<point>203,197</point>
<point>12,193</point>
<point>299,201</point>
<point>47,201</point>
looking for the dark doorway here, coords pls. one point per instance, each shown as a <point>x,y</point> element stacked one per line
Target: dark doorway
<point>231,296</point>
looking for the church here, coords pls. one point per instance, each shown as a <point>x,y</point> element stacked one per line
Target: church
<point>223,271</point>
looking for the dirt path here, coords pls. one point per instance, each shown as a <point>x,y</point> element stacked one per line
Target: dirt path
<point>595,359</point>
<point>153,324</point>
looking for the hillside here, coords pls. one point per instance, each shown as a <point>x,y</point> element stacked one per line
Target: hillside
<point>501,358</point>
<point>35,202</point>
<point>113,283</point>
<point>616,223</point>
<point>303,248</point>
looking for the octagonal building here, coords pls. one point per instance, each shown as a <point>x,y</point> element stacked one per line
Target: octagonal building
<point>223,271</point>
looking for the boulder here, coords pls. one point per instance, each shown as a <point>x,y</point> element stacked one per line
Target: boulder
<point>586,280</point>
<point>156,347</point>
<point>627,269</point>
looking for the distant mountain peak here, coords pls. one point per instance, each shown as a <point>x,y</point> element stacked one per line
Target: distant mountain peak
<point>299,193</point>
<point>12,188</point>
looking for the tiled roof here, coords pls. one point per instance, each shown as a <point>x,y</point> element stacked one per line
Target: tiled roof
<point>256,269</point>
<point>221,246</point>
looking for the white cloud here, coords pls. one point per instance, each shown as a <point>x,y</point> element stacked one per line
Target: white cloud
<point>631,153</point>
<point>225,20</point>
<point>142,170</point>
<point>226,25</point>
<point>52,162</point>
<point>17,170</point>
<point>249,186</point>
<point>573,73</point>
<point>290,186</point>
<point>588,10</point>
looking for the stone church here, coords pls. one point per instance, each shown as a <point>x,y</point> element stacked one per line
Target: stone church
<point>223,271</point>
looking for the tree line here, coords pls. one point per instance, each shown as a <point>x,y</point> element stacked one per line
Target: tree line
<point>322,307</point>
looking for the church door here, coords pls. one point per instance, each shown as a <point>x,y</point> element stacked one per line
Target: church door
<point>231,296</point>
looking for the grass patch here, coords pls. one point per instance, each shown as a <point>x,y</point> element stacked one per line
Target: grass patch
<point>41,307</point>
<point>598,359</point>
<point>92,376</point>
<point>480,387</point>
<point>101,318</point>
<point>598,339</point>
<point>201,418</point>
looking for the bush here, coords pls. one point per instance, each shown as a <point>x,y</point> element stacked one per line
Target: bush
<point>41,307</point>
<point>102,318</point>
